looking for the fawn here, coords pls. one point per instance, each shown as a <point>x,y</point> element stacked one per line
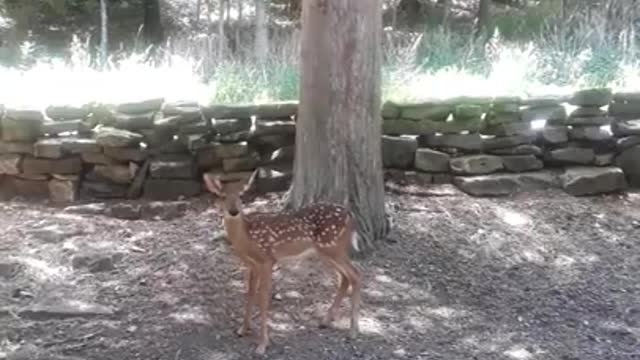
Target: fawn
<point>262,239</point>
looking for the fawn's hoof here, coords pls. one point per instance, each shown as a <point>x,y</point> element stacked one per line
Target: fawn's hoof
<point>243,331</point>
<point>261,349</point>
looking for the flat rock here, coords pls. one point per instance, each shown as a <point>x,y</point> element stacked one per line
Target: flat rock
<point>428,127</point>
<point>24,114</point>
<point>164,210</point>
<point>571,155</point>
<point>66,112</point>
<point>126,211</point>
<point>66,126</point>
<point>272,180</point>
<point>96,158</point>
<point>230,126</point>
<point>86,209</point>
<point>627,142</point>
<point>629,162</point>
<point>506,184</point>
<point>579,181</point>
<point>29,188</point>
<point>625,111</point>
<point>116,173</point>
<point>264,127</point>
<point>525,149</point>
<point>173,167</point>
<point>468,111</point>
<point>404,178</point>
<point>587,112</point>
<point>468,142</point>
<point>140,107</point>
<point>390,110</point>
<point>65,310</point>
<point>35,166</point>
<point>49,148</point>
<point>94,261</point>
<point>268,142</point>
<point>10,164</point>
<point>428,160</point>
<point>626,128</point>
<point>245,163</point>
<point>170,189</point>
<point>102,190</point>
<point>15,129</point>
<point>476,164</point>
<point>55,233</point>
<point>552,113</point>
<point>125,154</point>
<point>75,145</point>
<point>435,111</point>
<point>625,96</point>
<point>591,97</point>
<point>499,142</point>
<point>590,133</point>
<point>112,137</point>
<point>544,100</point>
<point>508,129</point>
<point>554,135</point>
<point>134,122</point>
<point>398,152</point>
<point>604,159</point>
<point>493,120</point>
<point>25,148</point>
<point>275,110</point>
<point>63,191</point>
<point>522,163</point>
<point>231,150</point>
<point>201,127</point>
<point>589,121</point>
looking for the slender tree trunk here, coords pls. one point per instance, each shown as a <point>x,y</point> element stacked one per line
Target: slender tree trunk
<point>239,27</point>
<point>261,31</point>
<point>484,20</point>
<point>338,132</point>
<point>222,43</point>
<point>104,34</point>
<point>152,30</point>
<point>196,23</point>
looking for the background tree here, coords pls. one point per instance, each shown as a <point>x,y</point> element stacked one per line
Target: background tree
<point>338,132</point>
<point>152,31</point>
<point>261,31</point>
<point>104,34</point>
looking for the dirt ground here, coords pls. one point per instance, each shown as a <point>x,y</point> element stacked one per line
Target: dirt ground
<point>535,276</point>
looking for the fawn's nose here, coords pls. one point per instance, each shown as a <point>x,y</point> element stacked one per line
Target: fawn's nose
<point>233,212</point>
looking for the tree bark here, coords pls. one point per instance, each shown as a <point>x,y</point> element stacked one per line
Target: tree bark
<point>152,27</point>
<point>104,34</point>
<point>338,133</point>
<point>222,43</point>
<point>484,19</point>
<point>261,32</point>
<point>196,23</point>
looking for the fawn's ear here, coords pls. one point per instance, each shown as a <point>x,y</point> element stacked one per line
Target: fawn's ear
<point>213,184</point>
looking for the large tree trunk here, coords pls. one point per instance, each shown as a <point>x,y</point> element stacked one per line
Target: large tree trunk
<point>338,132</point>
<point>152,27</point>
<point>222,40</point>
<point>104,34</point>
<point>261,31</point>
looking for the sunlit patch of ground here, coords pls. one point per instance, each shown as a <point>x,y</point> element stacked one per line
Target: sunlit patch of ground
<point>537,276</point>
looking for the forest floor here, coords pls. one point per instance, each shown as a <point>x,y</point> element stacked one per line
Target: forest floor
<point>536,276</point>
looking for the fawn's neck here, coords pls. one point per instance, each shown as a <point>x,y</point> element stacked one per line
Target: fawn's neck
<point>236,229</point>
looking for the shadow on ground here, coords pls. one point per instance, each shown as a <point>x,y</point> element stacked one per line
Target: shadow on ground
<point>536,276</point>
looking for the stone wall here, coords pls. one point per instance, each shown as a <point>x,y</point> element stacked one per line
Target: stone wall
<point>158,150</point>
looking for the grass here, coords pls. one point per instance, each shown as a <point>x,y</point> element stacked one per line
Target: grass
<point>433,65</point>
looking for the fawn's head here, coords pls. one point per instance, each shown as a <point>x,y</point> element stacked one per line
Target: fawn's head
<point>228,196</point>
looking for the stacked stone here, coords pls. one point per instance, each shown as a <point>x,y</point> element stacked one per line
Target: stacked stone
<point>625,110</point>
<point>511,137</point>
<point>41,156</point>
<point>238,148</point>
<point>589,137</point>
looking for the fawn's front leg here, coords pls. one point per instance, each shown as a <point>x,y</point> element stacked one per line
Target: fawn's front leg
<point>251,282</point>
<point>264,273</point>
